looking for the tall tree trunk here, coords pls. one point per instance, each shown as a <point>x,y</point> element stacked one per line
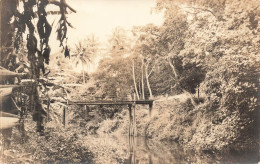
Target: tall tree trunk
<point>136,91</point>
<point>140,88</point>
<point>143,79</point>
<point>147,81</point>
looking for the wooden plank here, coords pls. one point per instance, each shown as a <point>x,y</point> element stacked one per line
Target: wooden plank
<point>8,122</point>
<point>107,102</point>
<point>99,103</point>
<point>11,86</point>
<point>15,86</point>
<point>5,114</point>
<point>5,93</point>
<point>6,74</point>
<point>144,101</point>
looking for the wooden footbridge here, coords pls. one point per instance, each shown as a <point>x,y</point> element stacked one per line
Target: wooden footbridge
<point>130,103</point>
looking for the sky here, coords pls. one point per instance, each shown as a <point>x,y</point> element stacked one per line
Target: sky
<point>100,17</point>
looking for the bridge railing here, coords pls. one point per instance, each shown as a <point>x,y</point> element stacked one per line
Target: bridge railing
<point>115,97</point>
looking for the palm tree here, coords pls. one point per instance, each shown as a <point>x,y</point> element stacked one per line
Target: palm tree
<point>85,53</point>
<point>118,42</point>
<point>82,57</point>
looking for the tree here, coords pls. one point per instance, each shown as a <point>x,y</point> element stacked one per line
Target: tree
<point>12,36</point>
<point>170,46</point>
<point>202,40</point>
<point>114,71</point>
<point>119,42</point>
<point>148,51</point>
<point>85,53</point>
<point>114,77</point>
<point>144,49</point>
<point>221,48</point>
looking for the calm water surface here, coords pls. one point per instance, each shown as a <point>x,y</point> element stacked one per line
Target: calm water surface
<point>139,150</point>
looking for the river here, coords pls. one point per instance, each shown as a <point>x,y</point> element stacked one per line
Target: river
<point>140,150</point>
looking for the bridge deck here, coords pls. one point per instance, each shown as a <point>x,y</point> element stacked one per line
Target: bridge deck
<point>109,102</point>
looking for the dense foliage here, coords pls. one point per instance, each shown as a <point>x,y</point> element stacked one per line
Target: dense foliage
<point>205,57</point>
<point>208,45</point>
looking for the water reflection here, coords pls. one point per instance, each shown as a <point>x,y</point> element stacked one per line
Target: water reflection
<point>132,150</point>
<point>139,150</point>
<point>142,150</point>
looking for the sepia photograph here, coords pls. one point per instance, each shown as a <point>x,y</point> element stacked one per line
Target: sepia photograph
<point>129,81</point>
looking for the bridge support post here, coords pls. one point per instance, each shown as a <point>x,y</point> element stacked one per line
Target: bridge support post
<point>132,120</point>
<point>150,109</point>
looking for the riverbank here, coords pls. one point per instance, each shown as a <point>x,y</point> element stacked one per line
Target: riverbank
<point>176,119</point>
<point>175,133</point>
<point>57,145</point>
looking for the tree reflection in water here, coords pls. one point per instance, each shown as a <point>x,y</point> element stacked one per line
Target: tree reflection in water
<point>143,150</point>
<point>137,150</point>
